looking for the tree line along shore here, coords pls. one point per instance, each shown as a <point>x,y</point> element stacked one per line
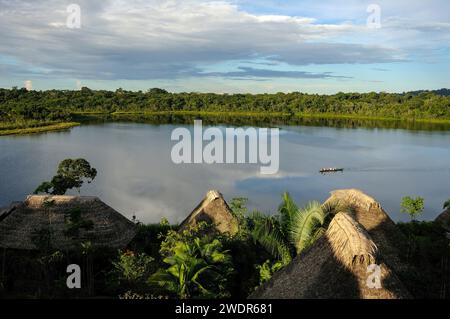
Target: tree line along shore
<point>23,112</point>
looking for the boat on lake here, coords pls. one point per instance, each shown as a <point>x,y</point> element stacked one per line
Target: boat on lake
<point>331,170</point>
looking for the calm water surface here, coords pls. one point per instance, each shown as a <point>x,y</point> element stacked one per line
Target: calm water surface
<point>136,174</point>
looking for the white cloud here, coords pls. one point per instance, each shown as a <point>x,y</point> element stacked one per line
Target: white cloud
<point>140,40</point>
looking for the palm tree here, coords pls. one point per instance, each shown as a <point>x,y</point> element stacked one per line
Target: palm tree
<point>193,267</point>
<point>306,226</point>
<point>269,232</point>
<point>293,229</point>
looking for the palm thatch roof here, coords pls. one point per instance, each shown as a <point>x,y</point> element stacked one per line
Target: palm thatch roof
<point>213,210</point>
<point>443,220</point>
<point>26,224</point>
<point>371,215</point>
<point>336,265</point>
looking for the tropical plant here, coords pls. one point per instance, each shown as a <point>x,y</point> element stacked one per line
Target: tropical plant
<point>48,266</point>
<point>239,210</point>
<point>87,251</point>
<point>72,173</point>
<point>172,237</point>
<point>268,232</point>
<point>293,229</point>
<point>306,226</point>
<point>195,269</point>
<point>267,269</point>
<point>132,269</point>
<point>412,206</point>
<point>75,222</point>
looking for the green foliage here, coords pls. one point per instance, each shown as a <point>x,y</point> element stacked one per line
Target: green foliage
<point>173,237</point>
<point>149,238</point>
<point>75,222</point>
<point>72,173</point>
<point>198,268</point>
<point>43,238</point>
<point>157,91</point>
<point>86,248</point>
<point>290,231</point>
<point>267,231</point>
<point>50,259</point>
<point>164,222</point>
<point>428,252</point>
<point>287,210</point>
<point>267,269</point>
<point>132,269</point>
<point>238,207</point>
<point>306,226</point>
<point>239,210</point>
<point>412,206</point>
<point>20,106</point>
<point>245,251</point>
<point>130,295</point>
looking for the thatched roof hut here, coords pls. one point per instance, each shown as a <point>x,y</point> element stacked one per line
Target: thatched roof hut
<point>23,224</point>
<point>369,213</point>
<point>213,210</point>
<point>443,220</point>
<point>336,266</point>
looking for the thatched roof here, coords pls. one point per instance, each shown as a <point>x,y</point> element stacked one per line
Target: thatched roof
<point>443,220</point>
<point>23,225</point>
<point>336,266</point>
<point>369,213</point>
<point>214,210</point>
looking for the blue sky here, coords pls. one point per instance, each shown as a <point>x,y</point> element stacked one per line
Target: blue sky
<point>226,46</point>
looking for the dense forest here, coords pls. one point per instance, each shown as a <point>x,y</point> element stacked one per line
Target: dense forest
<point>20,105</point>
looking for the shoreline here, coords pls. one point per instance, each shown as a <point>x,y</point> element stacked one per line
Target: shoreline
<point>67,125</point>
<point>39,129</point>
<point>271,114</point>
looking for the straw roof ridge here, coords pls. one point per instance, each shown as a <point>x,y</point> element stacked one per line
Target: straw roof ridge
<point>443,220</point>
<point>354,198</point>
<point>350,242</point>
<point>381,228</point>
<point>213,209</point>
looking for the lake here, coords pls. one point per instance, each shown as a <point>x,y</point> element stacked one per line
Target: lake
<point>136,174</point>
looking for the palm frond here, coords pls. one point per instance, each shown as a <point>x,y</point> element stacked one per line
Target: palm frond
<point>287,210</point>
<point>267,233</point>
<point>305,224</point>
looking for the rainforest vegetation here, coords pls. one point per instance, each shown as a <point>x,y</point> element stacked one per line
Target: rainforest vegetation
<point>20,108</point>
<point>163,261</point>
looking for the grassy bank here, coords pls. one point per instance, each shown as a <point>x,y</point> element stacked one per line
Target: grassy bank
<point>371,118</point>
<point>38,129</point>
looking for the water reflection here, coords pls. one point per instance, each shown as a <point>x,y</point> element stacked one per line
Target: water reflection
<point>137,176</point>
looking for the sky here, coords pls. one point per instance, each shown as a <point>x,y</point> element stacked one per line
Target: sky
<point>234,46</point>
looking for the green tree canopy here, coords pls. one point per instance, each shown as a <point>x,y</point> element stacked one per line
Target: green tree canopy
<point>72,173</point>
<point>412,206</point>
